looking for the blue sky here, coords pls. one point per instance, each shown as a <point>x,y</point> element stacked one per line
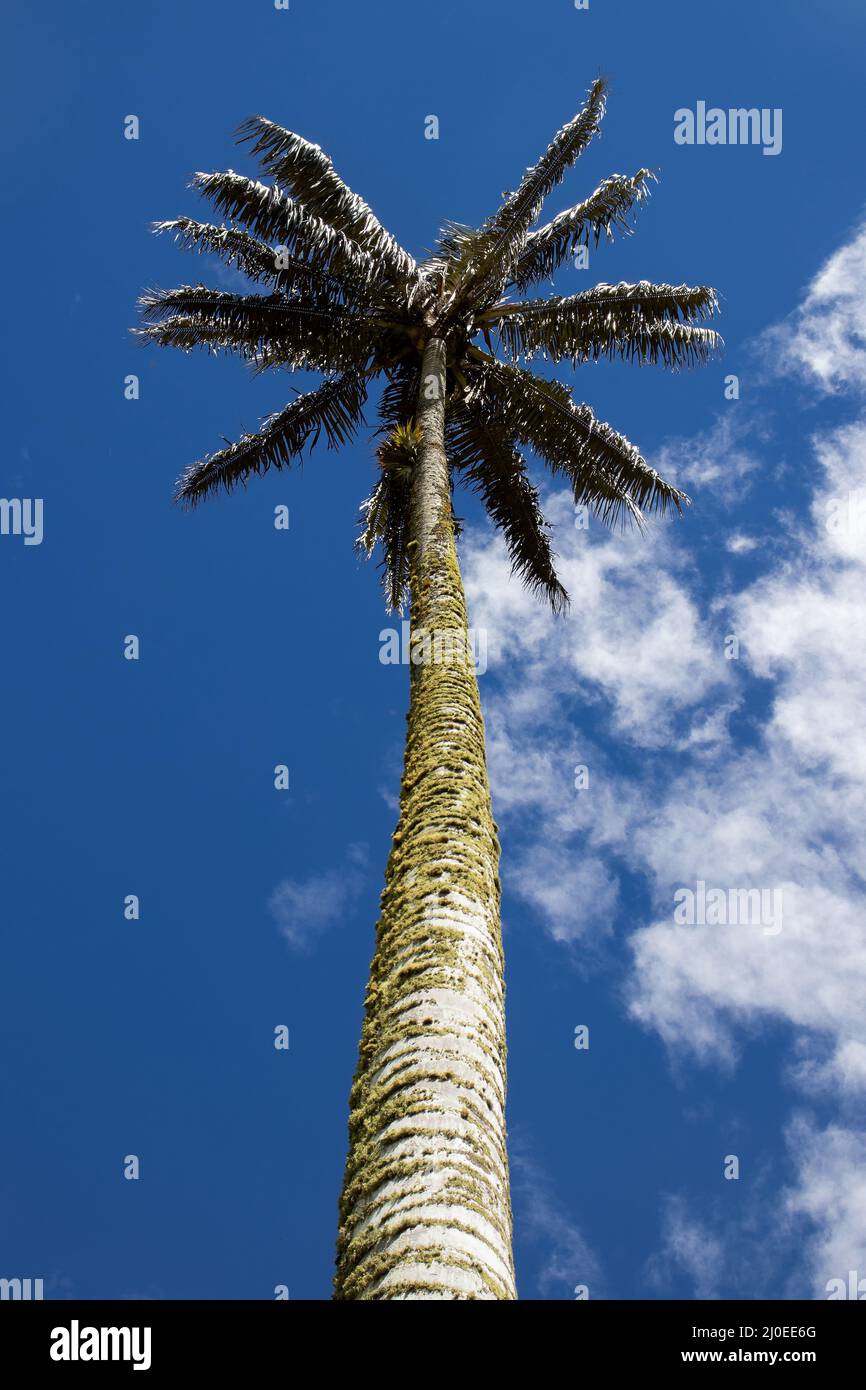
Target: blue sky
<point>261,647</point>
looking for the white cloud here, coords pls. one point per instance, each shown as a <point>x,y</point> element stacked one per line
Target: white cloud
<point>572,897</point>
<point>738,544</point>
<point>831,1195</point>
<point>825,340</point>
<point>305,908</point>
<point>785,810</point>
<point>720,458</point>
<point>791,814</point>
<point>635,650</point>
<point>634,634</point>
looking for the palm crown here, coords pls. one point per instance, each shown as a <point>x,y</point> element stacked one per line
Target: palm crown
<point>344,299</point>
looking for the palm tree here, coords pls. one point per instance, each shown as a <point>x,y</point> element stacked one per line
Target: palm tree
<point>425,1207</point>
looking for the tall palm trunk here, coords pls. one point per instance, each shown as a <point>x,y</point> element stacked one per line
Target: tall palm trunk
<point>425,1209</point>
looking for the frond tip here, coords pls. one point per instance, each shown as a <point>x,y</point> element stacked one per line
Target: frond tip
<point>609,207</point>
<point>270,330</point>
<point>335,408</point>
<point>486,257</point>
<point>638,323</point>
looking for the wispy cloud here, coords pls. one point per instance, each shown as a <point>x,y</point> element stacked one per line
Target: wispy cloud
<point>831,1195</point>
<point>738,544</point>
<point>690,1248</point>
<point>720,459</point>
<point>824,341</point>
<point>305,908</point>
<point>566,1258</point>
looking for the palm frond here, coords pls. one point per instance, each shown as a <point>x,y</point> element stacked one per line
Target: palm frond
<point>607,208</point>
<point>486,257</point>
<point>606,472</point>
<point>399,397</point>
<point>267,329</point>
<point>642,322</point>
<point>264,263</point>
<point>482,451</point>
<point>335,408</point>
<point>274,217</point>
<point>385,513</point>
<point>308,172</point>
<point>256,259</point>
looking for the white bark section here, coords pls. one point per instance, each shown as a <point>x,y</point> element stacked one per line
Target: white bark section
<point>455,1168</point>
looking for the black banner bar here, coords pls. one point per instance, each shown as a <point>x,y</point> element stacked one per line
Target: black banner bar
<point>154,1339</point>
